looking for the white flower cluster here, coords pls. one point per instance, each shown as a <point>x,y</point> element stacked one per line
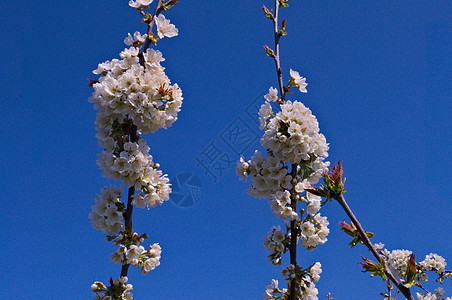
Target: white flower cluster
<point>143,94</point>
<point>280,205</point>
<point>152,259</point>
<point>314,232</point>
<point>136,255</point>
<point>120,287</point>
<point>433,262</point>
<point>292,135</point>
<point>127,255</point>
<point>289,273</point>
<point>274,241</point>
<point>268,175</point>
<point>316,270</point>
<point>437,295</point>
<point>106,215</point>
<point>308,289</point>
<point>135,167</point>
<point>397,260</point>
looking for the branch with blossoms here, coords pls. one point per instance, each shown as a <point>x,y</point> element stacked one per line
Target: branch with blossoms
<point>133,96</point>
<point>294,159</point>
<point>398,266</point>
<point>286,174</point>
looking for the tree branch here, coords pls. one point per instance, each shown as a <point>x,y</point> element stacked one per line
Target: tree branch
<point>404,290</point>
<point>293,242</point>
<point>276,57</point>
<point>128,214</point>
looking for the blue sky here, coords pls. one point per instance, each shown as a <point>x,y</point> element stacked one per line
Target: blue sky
<point>379,83</point>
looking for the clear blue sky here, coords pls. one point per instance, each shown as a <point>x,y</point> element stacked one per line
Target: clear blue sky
<point>379,83</point>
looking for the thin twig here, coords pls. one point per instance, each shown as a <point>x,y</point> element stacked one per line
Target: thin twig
<point>276,57</point>
<point>157,11</point>
<point>404,290</point>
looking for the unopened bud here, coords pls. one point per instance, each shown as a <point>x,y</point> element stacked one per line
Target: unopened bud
<point>268,13</point>
<point>269,51</point>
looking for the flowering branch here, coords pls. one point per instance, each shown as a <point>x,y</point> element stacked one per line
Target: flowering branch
<point>292,141</point>
<point>341,200</point>
<point>133,96</point>
<point>334,188</point>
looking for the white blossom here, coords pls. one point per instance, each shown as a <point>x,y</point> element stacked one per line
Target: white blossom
<point>299,81</point>
<point>164,28</point>
<point>139,3</point>
<point>265,112</point>
<point>272,95</point>
<point>272,288</point>
<point>314,203</point>
<point>152,259</point>
<point>309,291</point>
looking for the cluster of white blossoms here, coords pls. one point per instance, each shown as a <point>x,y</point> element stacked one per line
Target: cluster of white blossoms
<point>130,94</point>
<point>106,215</point>
<point>314,232</point>
<point>136,255</point>
<point>133,96</point>
<point>433,262</point>
<point>274,241</point>
<point>437,295</point>
<point>293,133</point>
<point>397,260</point>
<point>308,289</point>
<point>119,290</point>
<point>280,205</point>
<point>291,138</point>
<point>316,270</point>
<point>135,167</point>
<point>268,175</point>
<point>143,94</point>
